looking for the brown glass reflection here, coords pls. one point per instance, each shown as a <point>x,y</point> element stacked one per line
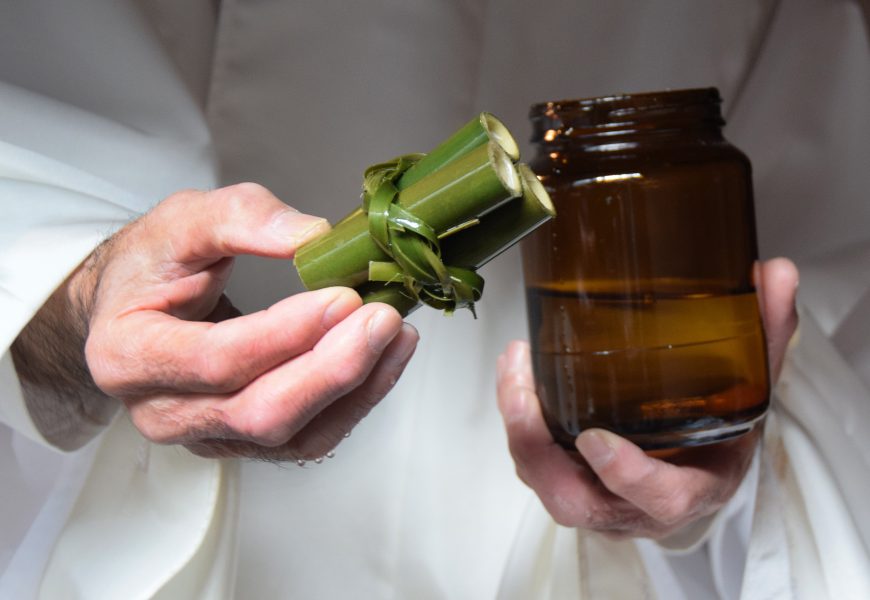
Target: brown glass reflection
<point>642,310</point>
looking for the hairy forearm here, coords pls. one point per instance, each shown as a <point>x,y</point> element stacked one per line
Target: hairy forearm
<point>63,401</point>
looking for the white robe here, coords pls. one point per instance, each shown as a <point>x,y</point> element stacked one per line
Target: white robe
<point>421,501</point>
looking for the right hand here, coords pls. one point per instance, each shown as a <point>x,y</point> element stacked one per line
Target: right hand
<point>284,383</point>
<point>618,489</point>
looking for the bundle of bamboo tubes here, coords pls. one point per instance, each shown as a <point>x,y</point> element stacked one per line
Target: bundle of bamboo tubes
<point>428,222</point>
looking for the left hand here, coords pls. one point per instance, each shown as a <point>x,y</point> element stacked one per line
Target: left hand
<point>621,490</point>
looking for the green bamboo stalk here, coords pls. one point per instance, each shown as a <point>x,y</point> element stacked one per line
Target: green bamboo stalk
<point>461,190</point>
<point>501,228</point>
<point>393,294</point>
<point>497,231</point>
<point>482,129</point>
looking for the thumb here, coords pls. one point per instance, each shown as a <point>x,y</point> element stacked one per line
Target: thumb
<point>777,287</point>
<point>202,227</point>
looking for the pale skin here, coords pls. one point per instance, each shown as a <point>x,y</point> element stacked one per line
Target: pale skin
<point>284,383</point>
<point>617,489</point>
<point>144,322</point>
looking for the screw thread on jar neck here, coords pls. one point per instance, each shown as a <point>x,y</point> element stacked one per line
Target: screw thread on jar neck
<point>612,120</point>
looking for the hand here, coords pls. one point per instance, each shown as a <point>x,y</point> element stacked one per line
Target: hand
<point>620,490</point>
<point>284,383</point>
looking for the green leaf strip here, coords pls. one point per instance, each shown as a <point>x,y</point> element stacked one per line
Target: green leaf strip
<point>412,245</point>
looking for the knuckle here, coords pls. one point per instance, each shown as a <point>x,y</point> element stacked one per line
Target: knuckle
<point>568,511</point>
<point>561,518</point>
<point>105,370</point>
<point>676,507</point>
<point>561,515</point>
<point>266,433</point>
<point>247,189</point>
<point>630,481</point>
<point>237,199</point>
<point>601,518</point>
<point>176,200</point>
<point>275,419</point>
<point>155,430</point>
<point>219,370</point>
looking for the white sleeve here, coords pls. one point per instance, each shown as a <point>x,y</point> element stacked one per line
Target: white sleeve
<point>69,178</point>
<point>95,128</point>
<point>52,218</point>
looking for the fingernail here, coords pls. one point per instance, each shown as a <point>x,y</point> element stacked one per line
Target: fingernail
<point>299,227</point>
<point>597,447</point>
<point>517,404</point>
<point>516,356</point>
<point>408,342</point>
<point>382,329</point>
<point>341,306</point>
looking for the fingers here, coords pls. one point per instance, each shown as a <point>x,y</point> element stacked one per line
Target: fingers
<point>177,258</point>
<point>146,352</point>
<point>568,490</point>
<point>277,405</point>
<point>326,430</point>
<point>240,219</point>
<point>528,438</point>
<point>670,494</point>
<point>616,488</point>
<point>164,339</point>
<point>777,282</point>
<point>337,420</point>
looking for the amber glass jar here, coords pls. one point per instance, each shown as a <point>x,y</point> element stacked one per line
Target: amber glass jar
<point>642,309</point>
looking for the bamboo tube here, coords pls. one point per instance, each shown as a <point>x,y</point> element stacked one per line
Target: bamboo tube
<point>501,228</point>
<point>461,190</point>
<point>474,247</point>
<point>480,130</point>
<point>393,294</point>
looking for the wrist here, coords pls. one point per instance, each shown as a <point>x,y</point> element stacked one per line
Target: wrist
<point>64,403</point>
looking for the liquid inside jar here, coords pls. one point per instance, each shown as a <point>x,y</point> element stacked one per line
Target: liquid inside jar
<point>684,364</point>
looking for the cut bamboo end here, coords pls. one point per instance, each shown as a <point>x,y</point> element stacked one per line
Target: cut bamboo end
<point>500,135</point>
<point>505,169</point>
<point>533,187</point>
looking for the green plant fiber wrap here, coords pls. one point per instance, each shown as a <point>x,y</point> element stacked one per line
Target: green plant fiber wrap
<point>412,245</point>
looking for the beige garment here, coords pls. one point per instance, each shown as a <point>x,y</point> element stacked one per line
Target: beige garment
<point>794,76</point>
<point>422,501</point>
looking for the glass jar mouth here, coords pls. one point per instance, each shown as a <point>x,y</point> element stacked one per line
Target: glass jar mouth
<point>625,114</point>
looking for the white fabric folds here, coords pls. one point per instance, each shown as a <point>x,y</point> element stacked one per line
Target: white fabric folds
<point>422,501</point>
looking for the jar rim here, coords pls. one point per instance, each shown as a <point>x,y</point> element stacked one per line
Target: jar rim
<point>630,101</point>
